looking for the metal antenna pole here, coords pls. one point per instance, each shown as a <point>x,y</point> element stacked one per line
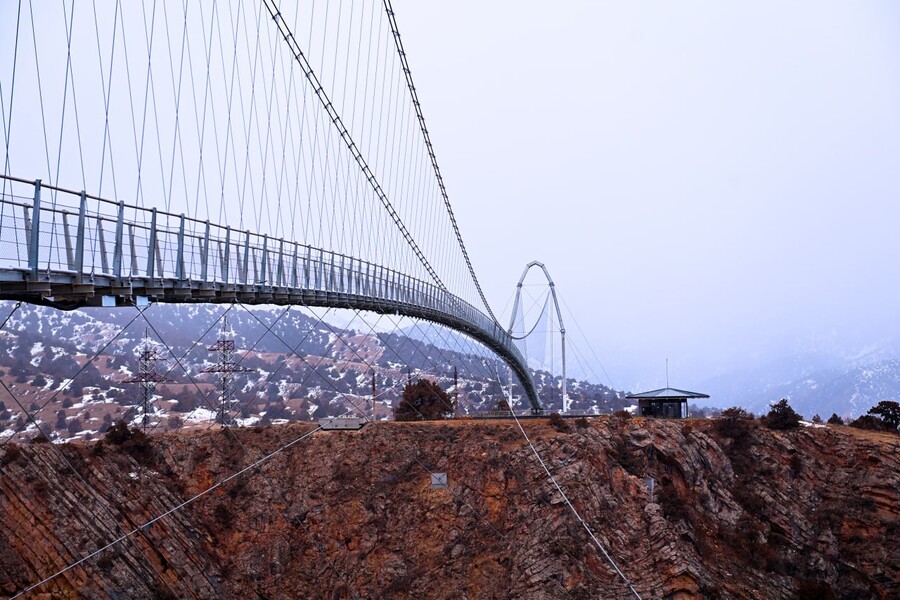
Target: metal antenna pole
<point>373,394</point>
<point>565,396</point>
<point>455,391</point>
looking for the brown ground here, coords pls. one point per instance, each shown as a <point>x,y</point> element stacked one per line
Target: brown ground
<point>737,513</point>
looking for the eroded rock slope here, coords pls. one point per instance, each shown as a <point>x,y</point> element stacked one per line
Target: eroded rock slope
<point>738,511</point>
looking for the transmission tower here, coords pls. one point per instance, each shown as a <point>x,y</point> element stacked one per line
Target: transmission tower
<point>227,367</point>
<point>148,356</point>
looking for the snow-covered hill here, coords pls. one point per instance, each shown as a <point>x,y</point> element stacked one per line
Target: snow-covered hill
<point>69,370</point>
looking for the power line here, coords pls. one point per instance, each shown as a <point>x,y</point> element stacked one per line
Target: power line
<point>572,508</point>
<point>172,510</point>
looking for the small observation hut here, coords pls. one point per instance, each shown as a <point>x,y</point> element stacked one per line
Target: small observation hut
<point>666,403</point>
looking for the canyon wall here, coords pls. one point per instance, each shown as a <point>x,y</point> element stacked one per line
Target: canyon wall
<point>737,511</point>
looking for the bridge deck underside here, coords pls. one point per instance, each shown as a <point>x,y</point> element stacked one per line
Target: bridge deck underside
<point>64,291</point>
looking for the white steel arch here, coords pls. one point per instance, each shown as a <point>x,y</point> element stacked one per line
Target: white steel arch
<point>562,327</point>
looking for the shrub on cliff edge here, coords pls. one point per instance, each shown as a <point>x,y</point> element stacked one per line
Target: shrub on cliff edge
<point>132,441</point>
<point>782,416</point>
<point>423,400</point>
<point>869,423</point>
<point>558,423</point>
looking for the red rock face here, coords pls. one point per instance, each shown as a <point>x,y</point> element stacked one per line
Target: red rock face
<point>735,514</point>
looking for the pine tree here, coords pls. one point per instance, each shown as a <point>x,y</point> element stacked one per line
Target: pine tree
<point>782,416</point>
<point>889,411</point>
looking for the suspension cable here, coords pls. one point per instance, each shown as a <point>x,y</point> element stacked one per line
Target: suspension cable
<point>344,133</point>
<point>537,321</point>
<point>437,171</point>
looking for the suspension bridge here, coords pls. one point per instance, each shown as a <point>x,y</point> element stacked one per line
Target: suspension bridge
<point>179,154</point>
<point>232,153</point>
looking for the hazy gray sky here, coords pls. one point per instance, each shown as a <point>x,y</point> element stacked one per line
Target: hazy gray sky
<point>717,183</point>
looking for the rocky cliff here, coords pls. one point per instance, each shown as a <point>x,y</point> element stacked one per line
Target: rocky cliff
<point>738,511</point>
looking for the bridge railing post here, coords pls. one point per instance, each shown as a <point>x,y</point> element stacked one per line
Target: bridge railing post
<point>367,281</point>
<point>117,248</point>
<point>294,269</point>
<point>279,272</point>
<point>79,237</point>
<point>67,238</point>
<point>179,253</point>
<point>34,239</point>
<point>226,258</point>
<point>132,250</point>
<point>101,245</point>
<point>264,262</point>
<point>246,270</point>
<point>151,245</point>
<point>204,254</point>
<point>330,283</point>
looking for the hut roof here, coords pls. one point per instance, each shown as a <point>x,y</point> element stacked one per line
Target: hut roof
<point>666,394</point>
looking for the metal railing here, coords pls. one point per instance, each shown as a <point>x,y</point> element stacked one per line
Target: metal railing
<point>57,245</point>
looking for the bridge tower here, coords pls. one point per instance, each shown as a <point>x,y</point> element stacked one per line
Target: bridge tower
<point>517,304</point>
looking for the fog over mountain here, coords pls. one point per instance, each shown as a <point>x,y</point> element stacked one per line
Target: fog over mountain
<point>714,183</point>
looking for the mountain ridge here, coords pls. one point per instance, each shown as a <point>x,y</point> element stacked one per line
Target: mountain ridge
<point>301,368</point>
